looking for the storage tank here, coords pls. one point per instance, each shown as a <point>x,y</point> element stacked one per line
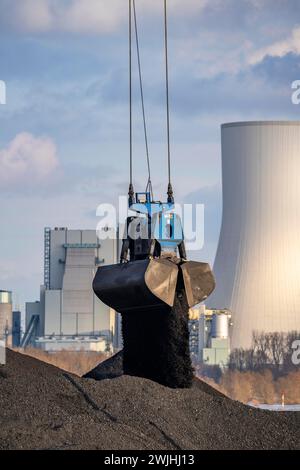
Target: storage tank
<point>6,316</point>
<point>219,325</point>
<point>257,265</point>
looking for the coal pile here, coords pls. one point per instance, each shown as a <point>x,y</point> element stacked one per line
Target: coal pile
<point>43,407</point>
<point>108,369</point>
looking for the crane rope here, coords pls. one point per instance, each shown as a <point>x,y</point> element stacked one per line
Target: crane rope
<point>170,190</point>
<point>132,6</point>
<point>149,182</point>
<point>131,190</point>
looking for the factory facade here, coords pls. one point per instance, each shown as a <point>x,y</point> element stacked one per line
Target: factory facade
<point>257,266</point>
<point>10,324</point>
<point>68,315</point>
<point>210,336</point>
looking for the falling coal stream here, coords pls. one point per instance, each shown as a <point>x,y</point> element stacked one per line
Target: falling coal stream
<point>156,344</point>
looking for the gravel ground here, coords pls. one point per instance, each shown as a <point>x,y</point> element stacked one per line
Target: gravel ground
<point>43,407</point>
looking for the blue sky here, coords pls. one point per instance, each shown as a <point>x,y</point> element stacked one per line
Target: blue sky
<point>64,129</point>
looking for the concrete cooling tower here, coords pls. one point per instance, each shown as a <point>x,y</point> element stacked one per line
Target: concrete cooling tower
<point>257,266</point>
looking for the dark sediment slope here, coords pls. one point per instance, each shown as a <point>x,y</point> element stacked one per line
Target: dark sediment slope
<point>44,408</point>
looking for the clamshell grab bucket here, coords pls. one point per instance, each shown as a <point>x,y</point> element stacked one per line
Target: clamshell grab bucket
<point>151,283</point>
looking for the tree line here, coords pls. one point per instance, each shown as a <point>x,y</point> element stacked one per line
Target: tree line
<point>271,350</point>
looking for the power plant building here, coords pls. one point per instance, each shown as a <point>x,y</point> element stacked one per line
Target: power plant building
<point>68,314</point>
<point>257,265</point>
<point>209,336</point>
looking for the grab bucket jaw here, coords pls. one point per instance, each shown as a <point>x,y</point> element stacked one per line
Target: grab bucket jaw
<point>199,281</point>
<point>161,279</point>
<point>143,284</point>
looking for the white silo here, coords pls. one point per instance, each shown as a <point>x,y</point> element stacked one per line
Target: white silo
<point>219,326</point>
<point>6,317</point>
<point>257,266</point>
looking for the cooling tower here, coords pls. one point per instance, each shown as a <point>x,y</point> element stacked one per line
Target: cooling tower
<point>257,266</point>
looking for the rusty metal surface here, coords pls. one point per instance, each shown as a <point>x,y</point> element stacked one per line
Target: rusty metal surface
<point>199,281</point>
<point>161,279</point>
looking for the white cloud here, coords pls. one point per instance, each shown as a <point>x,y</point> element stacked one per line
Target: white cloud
<point>278,48</point>
<point>84,16</point>
<point>32,15</point>
<point>27,161</point>
<point>90,16</point>
<point>210,55</point>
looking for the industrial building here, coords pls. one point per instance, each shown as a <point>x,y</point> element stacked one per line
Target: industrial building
<point>194,330</point>
<point>16,329</point>
<point>257,266</point>
<point>6,317</point>
<point>209,336</point>
<point>68,314</point>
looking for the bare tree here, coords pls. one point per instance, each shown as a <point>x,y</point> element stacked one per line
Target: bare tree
<point>242,359</point>
<point>261,346</point>
<point>277,348</point>
<point>272,350</point>
<point>236,360</point>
